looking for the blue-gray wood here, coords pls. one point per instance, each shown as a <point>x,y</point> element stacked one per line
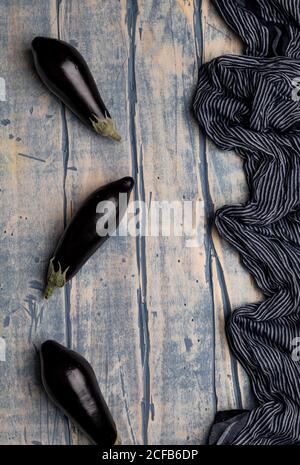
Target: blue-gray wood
<point>147,312</point>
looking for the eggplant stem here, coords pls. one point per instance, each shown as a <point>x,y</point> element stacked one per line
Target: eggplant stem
<point>105,127</point>
<point>118,441</point>
<point>54,278</point>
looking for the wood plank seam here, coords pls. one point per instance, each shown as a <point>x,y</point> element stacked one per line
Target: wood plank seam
<point>139,194</point>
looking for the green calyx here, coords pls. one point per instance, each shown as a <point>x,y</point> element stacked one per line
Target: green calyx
<point>105,127</point>
<point>118,441</point>
<point>55,278</point>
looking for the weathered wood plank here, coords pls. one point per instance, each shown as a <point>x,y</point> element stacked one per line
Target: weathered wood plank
<point>232,283</point>
<point>177,293</point>
<point>104,322</point>
<point>31,216</point>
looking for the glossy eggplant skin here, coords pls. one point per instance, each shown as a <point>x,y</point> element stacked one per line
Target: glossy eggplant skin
<point>70,382</point>
<point>64,71</point>
<point>84,234</point>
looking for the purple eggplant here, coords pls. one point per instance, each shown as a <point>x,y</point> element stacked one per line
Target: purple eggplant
<point>64,71</point>
<point>90,227</point>
<point>70,382</point>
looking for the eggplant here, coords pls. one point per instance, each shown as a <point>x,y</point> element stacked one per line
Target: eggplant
<point>70,382</point>
<point>64,71</point>
<point>97,219</point>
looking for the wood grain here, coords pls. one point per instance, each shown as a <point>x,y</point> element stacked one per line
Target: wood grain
<point>31,216</point>
<point>147,312</point>
<point>177,294</point>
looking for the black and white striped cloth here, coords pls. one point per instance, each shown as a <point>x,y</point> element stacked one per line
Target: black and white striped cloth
<point>250,104</point>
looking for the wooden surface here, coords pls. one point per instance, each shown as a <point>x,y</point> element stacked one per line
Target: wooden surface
<point>148,313</point>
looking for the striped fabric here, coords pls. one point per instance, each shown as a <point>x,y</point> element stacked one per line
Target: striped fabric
<point>249,103</point>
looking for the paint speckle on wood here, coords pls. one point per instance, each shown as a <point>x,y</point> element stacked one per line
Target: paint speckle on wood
<point>2,89</point>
